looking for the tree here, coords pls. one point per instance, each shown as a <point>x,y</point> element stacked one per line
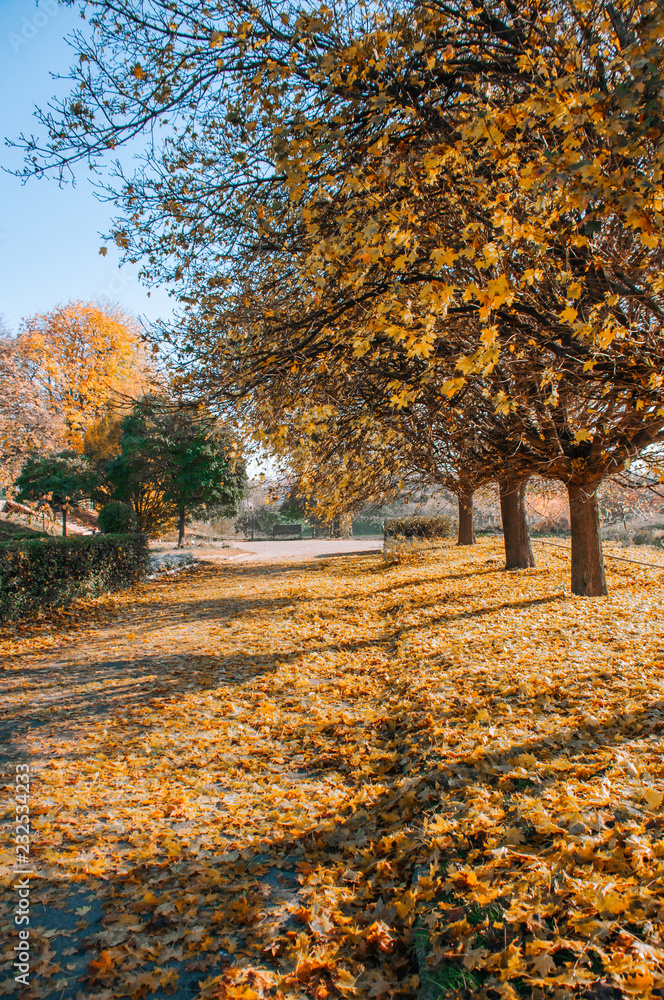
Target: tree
<point>102,437</point>
<point>27,426</point>
<point>174,460</point>
<point>360,445</point>
<point>393,183</point>
<point>317,511</point>
<point>79,357</point>
<point>61,482</point>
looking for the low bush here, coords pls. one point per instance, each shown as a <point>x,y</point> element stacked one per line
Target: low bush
<point>117,518</point>
<point>418,527</point>
<point>46,573</point>
<point>367,526</point>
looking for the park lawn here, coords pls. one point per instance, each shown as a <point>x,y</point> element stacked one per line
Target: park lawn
<point>14,531</point>
<point>341,778</point>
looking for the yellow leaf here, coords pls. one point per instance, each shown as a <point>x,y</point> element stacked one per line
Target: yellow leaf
<point>101,966</point>
<point>568,315</point>
<point>444,256</point>
<point>451,386</point>
<point>653,798</point>
<point>543,965</point>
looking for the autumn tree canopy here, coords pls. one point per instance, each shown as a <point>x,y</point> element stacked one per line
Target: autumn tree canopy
<point>79,357</point>
<point>27,424</point>
<point>477,187</point>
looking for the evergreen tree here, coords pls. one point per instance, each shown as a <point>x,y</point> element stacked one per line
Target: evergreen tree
<point>174,460</point>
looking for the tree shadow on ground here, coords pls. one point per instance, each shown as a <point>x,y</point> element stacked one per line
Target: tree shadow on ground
<point>176,912</point>
<point>175,907</point>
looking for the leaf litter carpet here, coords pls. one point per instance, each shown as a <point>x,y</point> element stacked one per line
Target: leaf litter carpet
<point>344,779</point>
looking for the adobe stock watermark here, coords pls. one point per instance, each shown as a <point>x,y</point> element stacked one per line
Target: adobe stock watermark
<point>31,26</point>
<point>115,286</point>
<point>22,871</point>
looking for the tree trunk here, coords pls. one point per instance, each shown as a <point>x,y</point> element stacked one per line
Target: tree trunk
<point>518,553</point>
<point>587,560</point>
<point>466,522</point>
<point>180,527</point>
<point>64,522</point>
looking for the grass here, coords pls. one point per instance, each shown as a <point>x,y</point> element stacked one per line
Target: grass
<point>11,531</point>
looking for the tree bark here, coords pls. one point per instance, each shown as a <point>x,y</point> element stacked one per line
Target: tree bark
<point>64,522</point>
<point>466,521</point>
<point>587,560</point>
<point>518,552</point>
<point>180,527</point>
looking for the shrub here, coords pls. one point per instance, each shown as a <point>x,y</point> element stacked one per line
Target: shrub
<point>117,518</point>
<point>53,572</point>
<point>367,526</point>
<point>418,527</point>
<point>644,536</point>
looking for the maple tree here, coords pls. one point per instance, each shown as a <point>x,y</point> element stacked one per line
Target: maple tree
<point>174,460</point>
<point>79,357</point>
<point>350,181</point>
<point>522,209</point>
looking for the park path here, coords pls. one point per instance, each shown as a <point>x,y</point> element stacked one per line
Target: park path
<point>261,777</point>
<point>185,741</point>
<point>278,550</point>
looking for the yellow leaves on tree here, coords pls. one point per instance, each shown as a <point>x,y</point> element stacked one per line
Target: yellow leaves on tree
<point>81,357</point>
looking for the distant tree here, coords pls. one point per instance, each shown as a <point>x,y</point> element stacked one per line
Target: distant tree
<point>27,425</point>
<point>175,460</point>
<point>256,516</point>
<point>78,357</point>
<point>298,507</point>
<point>101,442</point>
<point>60,482</point>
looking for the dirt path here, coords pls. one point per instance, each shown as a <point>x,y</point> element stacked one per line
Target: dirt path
<point>173,786</point>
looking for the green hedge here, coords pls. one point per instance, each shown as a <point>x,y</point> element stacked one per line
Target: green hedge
<point>418,527</point>
<point>53,572</point>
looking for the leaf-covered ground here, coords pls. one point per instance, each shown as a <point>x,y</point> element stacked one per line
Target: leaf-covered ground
<point>345,779</point>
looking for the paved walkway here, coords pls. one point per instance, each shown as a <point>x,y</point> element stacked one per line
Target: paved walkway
<point>301,550</point>
<point>308,548</point>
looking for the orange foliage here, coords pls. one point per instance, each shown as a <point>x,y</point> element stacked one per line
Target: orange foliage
<point>327,779</point>
<point>82,356</point>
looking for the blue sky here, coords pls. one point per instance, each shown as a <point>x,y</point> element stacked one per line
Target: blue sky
<point>49,236</point>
